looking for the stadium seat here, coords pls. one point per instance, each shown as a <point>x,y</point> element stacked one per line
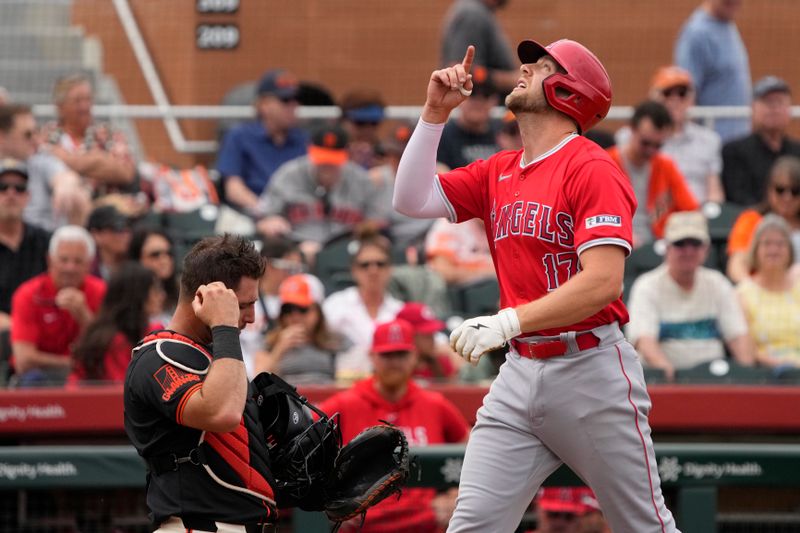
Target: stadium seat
<point>415,283</point>
<point>332,264</point>
<point>721,218</point>
<point>476,298</point>
<point>654,375</point>
<point>641,260</point>
<point>723,371</point>
<point>186,229</point>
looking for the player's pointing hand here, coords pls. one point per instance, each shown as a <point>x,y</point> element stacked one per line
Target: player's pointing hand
<point>476,336</point>
<point>448,87</point>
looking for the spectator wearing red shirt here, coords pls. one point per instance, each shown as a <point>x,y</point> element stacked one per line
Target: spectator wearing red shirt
<point>49,311</point>
<point>435,359</point>
<point>103,351</point>
<point>425,417</point>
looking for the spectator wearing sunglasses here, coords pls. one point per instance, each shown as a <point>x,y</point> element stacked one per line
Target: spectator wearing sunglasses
<point>659,186</point>
<point>683,314</point>
<point>253,151</point>
<point>354,312</point>
<point>694,148</point>
<point>771,295</point>
<point>152,248</point>
<point>783,199</point>
<point>362,116</point>
<point>23,247</point>
<point>57,195</point>
<point>746,162</point>
<point>301,349</point>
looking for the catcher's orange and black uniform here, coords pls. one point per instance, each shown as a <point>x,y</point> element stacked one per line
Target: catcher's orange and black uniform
<point>199,477</point>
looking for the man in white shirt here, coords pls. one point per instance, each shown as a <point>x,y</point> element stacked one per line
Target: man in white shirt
<point>683,314</point>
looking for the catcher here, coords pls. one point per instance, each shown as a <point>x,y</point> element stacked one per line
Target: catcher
<point>224,454</point>
<point>425,417</point>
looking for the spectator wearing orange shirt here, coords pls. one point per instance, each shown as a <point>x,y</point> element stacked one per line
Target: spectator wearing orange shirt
<point>783,199</point>
<point>659,186</point>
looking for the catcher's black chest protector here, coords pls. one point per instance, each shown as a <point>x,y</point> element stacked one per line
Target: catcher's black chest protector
<point>236,461</point>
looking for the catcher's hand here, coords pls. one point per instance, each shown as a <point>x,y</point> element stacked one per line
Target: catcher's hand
<point>371,467</point>
<point>476,336</point>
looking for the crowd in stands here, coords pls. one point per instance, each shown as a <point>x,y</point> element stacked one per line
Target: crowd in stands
<point>77,212</point>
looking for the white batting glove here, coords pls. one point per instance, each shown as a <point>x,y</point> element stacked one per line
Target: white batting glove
<point>476,336</point>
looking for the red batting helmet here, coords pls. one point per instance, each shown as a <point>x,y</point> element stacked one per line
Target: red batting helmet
<point>586,80</point>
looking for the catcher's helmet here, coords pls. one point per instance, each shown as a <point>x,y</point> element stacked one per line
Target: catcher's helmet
<point>586,80</point>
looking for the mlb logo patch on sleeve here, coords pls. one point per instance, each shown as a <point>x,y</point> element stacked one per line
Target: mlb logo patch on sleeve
<point>603,220</point>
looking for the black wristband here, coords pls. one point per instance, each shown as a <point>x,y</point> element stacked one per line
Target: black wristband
<point>225,343</point>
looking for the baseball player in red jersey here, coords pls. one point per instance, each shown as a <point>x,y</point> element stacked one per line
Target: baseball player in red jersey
<point>558,219</point>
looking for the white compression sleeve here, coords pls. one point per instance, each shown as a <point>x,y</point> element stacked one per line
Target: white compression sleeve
<point>415,193</point>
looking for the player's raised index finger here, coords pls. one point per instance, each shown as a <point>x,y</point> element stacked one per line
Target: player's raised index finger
<point>468,58</point>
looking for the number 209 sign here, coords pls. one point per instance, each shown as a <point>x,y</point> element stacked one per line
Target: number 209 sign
<point>217,36</point>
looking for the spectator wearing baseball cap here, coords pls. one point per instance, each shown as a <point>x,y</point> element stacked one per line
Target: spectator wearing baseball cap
<point>23,247</point>
<point>426,418</point>
<point>746,162</point>
<point>362,116</point>
<point>566,509</point>
<point>472,135</point>
<point>300,349</point>
<point>659,185</point>
<point>252,152</point>
<point>321,195</point>
<point>694,148</point>
<point>435,359</point>
<point>682,313</point>
<point>111,231</point>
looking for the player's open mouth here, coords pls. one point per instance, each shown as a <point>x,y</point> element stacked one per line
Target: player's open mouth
<point>520,84</point>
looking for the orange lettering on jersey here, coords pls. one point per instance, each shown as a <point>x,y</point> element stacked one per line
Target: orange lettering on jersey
<point>171,379</point>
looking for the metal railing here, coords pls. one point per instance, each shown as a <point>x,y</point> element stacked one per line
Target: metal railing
<point>171,113</point>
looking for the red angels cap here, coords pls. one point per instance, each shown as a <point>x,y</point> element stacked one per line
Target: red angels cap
<point>421,318</point>
<point>561,499</point>
<point>394,336</point>
<point>588,500</point>
<point>302,290</point>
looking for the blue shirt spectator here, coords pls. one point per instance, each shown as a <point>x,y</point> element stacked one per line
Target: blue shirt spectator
<point>711,49</point>
<point>253,151</point>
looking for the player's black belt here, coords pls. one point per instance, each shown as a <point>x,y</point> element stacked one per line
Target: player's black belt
<point>170,462</point>
<point>203,524</point>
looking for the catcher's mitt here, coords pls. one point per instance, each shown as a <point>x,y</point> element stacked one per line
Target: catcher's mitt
<point>371,467</point>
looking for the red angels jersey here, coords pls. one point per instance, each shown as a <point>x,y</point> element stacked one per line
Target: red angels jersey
<point>539,217</point>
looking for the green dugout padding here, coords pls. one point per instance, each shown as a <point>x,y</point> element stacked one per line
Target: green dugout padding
<point>694,470</point>
<point>682,465</point>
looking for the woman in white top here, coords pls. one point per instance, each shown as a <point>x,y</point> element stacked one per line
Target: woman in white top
<point>354,312</point>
